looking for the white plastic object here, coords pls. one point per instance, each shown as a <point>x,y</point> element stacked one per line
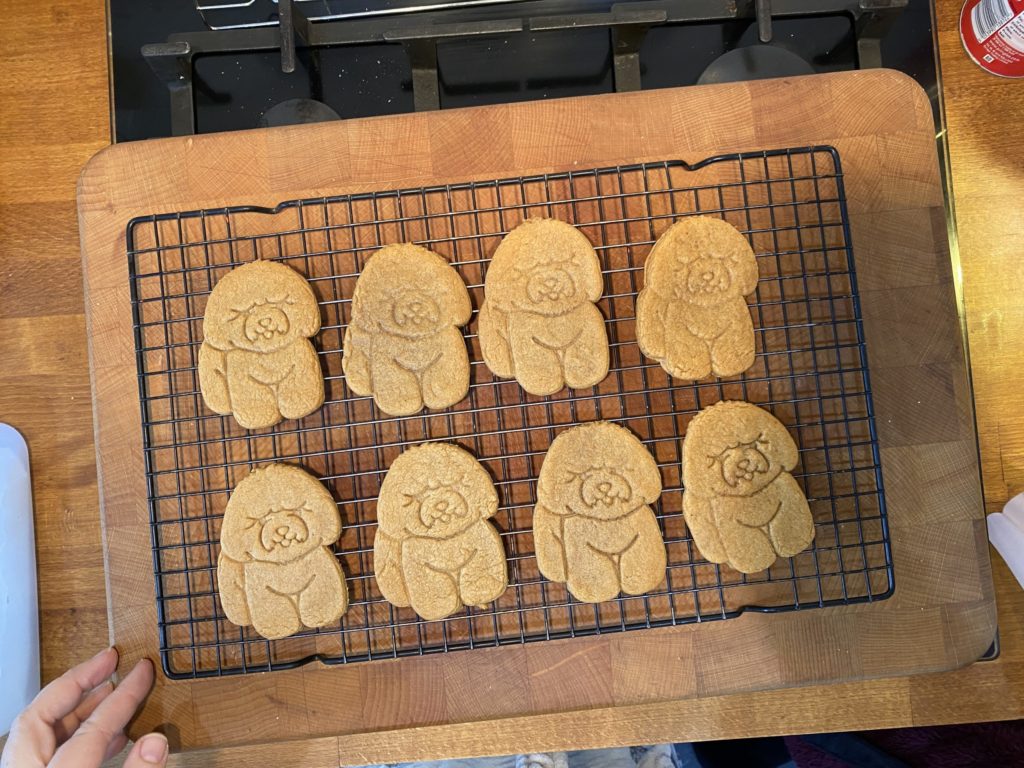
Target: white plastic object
<point>1006,532</point>
<point>19,622</point>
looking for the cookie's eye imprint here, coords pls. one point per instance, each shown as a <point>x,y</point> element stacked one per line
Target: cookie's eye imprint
<point>741,463</point>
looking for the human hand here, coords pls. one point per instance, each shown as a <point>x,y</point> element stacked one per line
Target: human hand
<point>78,720</point>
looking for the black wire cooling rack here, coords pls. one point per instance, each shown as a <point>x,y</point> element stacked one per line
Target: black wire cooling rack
<point>810,371</point>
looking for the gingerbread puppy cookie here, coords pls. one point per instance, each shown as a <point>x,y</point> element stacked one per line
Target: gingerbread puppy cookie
<point>593,526</point>
<point>256,361</point>
<point>403,344</point>
<point>691,315</point>
<point>538,322</point>
<point>434,549</point>
<point>740,501</point>
<point>276,570</point>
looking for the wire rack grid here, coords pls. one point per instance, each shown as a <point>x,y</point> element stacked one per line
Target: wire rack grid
<point>810,372</point>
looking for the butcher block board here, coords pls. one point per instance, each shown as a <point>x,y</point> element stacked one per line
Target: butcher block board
<point>942,614</point>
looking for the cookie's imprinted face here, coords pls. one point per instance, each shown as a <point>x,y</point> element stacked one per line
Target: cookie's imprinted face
<point>704,278</point>
<point>265,322</point>
<point>263,326</point>
<point>707,275</point>
<point>546,283</point>
<point>278,514</point>
<point>605,493</point>
<point>279,533</point>
<point>438,513</point>
<point>746,468</point>
<point>284,534</point>
<point>735,449</point>
<point>413,314</point>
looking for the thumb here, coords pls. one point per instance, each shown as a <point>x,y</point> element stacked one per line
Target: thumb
<point>149,751</point>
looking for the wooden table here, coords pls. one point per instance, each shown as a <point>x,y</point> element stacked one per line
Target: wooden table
<point>54,115</point>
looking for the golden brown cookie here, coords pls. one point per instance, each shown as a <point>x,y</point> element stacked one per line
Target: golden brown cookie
<point>276,570</point>
<point>538,322</point>
<point>740,502</point>
<point>403,344</point>
<point>691,315</point>
<point>256,361</point>
<point>434,549</point>
<point>593,526</point>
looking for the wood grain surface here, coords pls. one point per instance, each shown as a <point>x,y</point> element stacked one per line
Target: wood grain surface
<point>942,615</point>
<point>53,112</point>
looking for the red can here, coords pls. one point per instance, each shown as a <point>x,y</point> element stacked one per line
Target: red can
<point>993,35</point>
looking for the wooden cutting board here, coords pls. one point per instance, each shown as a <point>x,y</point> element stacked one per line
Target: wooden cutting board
<point>942,613</point>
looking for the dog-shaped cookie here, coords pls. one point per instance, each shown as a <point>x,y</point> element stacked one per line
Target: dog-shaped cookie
<point>276,570</point>
<point>740,502</point>
<point>403,344</point>
<point>256,361</point>
<point>538,322</point>
<point>434,549</point>
<point>691,315</point>
<point>593,527</point>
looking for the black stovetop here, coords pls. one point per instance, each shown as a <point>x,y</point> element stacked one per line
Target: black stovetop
<point>233,91</point>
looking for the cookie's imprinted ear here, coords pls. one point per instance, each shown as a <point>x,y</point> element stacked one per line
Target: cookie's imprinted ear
<point>782,448</point>
<point>305,317</point>
<point>663,260</point>
<point>477,480</point>
<point>325,524</point>
<point>591,279</point>
<point>648,478</point>
<point>240,531</point>
<point>238,536</point>
<point>390,511</point>
<point>454,298</point>
<point>745,274</point>
<point>221,320</point>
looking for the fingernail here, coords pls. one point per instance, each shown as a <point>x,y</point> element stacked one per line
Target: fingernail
<point>104,652</point>
<point>153,748</point>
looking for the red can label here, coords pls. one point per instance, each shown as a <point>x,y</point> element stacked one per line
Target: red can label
<point>993,35</point>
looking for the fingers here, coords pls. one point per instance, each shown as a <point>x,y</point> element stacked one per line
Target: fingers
<point>65,693</point>
<point>68,724</point>
<point>148,751</point>
<point>88,745</point>
<point>115,746</point>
